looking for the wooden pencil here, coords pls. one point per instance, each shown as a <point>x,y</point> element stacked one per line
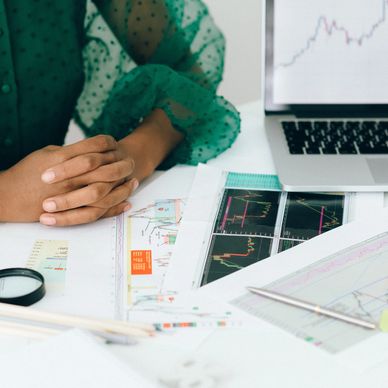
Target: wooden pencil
<point>95,325</point>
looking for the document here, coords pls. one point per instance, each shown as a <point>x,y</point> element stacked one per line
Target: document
<point>345,269</point>
<point>233,220</point>
<point>80,264</point>
<point>149,232</point>
<point>73,359</point>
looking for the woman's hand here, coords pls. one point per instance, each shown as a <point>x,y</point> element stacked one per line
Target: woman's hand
<point>83,182</point>
<point>69,185</point>
<point>102,182</point>
<point>100,186</point>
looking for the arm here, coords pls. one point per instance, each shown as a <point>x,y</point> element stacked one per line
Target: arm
<point>151,143</point>
<point>171,92</point>
<point>180,52</point>
<point>178,33</point>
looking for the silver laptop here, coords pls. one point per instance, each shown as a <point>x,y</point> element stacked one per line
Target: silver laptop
<point>326,93</point>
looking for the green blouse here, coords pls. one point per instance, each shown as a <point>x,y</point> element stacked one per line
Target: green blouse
<point>108,64</point>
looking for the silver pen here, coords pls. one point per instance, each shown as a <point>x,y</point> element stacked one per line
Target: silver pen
<point>312,307</point>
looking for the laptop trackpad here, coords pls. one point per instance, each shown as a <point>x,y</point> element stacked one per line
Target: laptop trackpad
<point>379,169</point>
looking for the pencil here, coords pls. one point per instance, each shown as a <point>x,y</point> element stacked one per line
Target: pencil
<point>94,325</point>
<point>312,307</point>
<point>25,330</point>
<point>40,333</point>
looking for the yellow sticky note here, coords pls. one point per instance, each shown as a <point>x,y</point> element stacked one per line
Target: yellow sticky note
<point>384,321</point>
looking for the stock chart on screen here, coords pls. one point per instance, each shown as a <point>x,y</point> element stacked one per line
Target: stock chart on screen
<point>330,52</point>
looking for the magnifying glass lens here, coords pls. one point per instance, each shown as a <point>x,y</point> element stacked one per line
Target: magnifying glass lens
<point>17,286</point>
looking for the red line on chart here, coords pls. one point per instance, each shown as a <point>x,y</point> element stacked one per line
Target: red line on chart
<point>226,213</point>
<point>245,214</point>
<point>321,220</point>
<point>330,28</point>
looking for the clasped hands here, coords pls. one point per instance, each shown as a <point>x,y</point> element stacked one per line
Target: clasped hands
<point>70,185</point>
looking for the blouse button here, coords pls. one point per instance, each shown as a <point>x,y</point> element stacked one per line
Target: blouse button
<point>5,88</point>
<point>8,142</point>
<point>1,32</point>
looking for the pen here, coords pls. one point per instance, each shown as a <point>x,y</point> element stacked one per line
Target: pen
<point>312,307</point>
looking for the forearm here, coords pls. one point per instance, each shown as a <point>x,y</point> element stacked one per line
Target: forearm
<point>151,143</point>
<point>3,197</point>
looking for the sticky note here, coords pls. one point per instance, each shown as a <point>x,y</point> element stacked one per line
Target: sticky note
<point>384,321</point>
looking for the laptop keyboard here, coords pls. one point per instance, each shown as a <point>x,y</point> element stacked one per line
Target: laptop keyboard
<point>336,137</point>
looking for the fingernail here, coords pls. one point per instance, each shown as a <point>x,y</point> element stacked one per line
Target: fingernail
<point>48,176</point>
<point>135,184</point>
<point>49,206</point>
<point>128,207</point>
<point>47,220</point>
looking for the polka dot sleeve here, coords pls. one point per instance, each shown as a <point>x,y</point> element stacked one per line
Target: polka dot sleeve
<point>147,54</point>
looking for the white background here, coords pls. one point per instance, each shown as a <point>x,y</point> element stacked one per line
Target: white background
<point>240,20</point>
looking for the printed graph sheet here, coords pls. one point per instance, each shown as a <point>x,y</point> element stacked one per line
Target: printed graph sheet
<point>149,233</point>
<point>234,220</point>
<point>345,270</point>
<point>254,224</point>
<point>354,281</point>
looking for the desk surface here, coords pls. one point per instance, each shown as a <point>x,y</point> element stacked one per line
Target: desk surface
<point>236,349</point>
<point>235,352</point>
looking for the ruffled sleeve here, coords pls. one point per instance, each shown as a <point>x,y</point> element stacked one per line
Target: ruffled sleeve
<point>162,54</point>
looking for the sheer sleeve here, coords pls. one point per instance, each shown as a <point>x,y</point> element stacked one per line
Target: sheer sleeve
<point>179,56</point>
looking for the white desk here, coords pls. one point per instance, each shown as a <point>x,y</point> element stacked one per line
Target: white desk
<point>234,355</point>
<point>236,350</point>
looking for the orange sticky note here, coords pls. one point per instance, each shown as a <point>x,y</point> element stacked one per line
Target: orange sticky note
<point>141,262</point>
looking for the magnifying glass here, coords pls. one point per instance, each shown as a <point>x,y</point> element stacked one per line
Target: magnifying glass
<point>21,286</point>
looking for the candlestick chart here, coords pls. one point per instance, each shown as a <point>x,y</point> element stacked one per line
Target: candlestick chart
<point>252,225</point>
<point>308,214</point>
<point>251,212</point>
<point>229,254</point>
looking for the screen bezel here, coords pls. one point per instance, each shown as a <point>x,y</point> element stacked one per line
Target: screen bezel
<point>306,110</point>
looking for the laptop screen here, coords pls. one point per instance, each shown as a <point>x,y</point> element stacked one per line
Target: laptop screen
<point>327,52</point>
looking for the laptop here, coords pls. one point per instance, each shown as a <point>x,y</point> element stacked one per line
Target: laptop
<point>326,93</point>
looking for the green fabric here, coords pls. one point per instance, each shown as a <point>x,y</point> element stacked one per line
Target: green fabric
<point>108,64</point>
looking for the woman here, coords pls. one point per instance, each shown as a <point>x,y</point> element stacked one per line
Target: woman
<point>62,59</point>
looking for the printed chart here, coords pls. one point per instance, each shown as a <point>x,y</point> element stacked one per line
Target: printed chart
<point>252,225</point>
<point>335,50</point>
<point>151,235</point>
<point>181,311</point>
<point>354,281</point>
<point>232,253</point>
<point>49,257</point>
<point>250,212</point>
<point>308,215</point>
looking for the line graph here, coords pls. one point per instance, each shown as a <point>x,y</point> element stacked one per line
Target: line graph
<point>308,214</point>
<point>151,235</point>
<point>329,27</point>
<point>251,212</point>
<point>232,253</point>
<point>252,225</point>
<point>353,281</point>
<point>330,52</point>
<point>161,220</point>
